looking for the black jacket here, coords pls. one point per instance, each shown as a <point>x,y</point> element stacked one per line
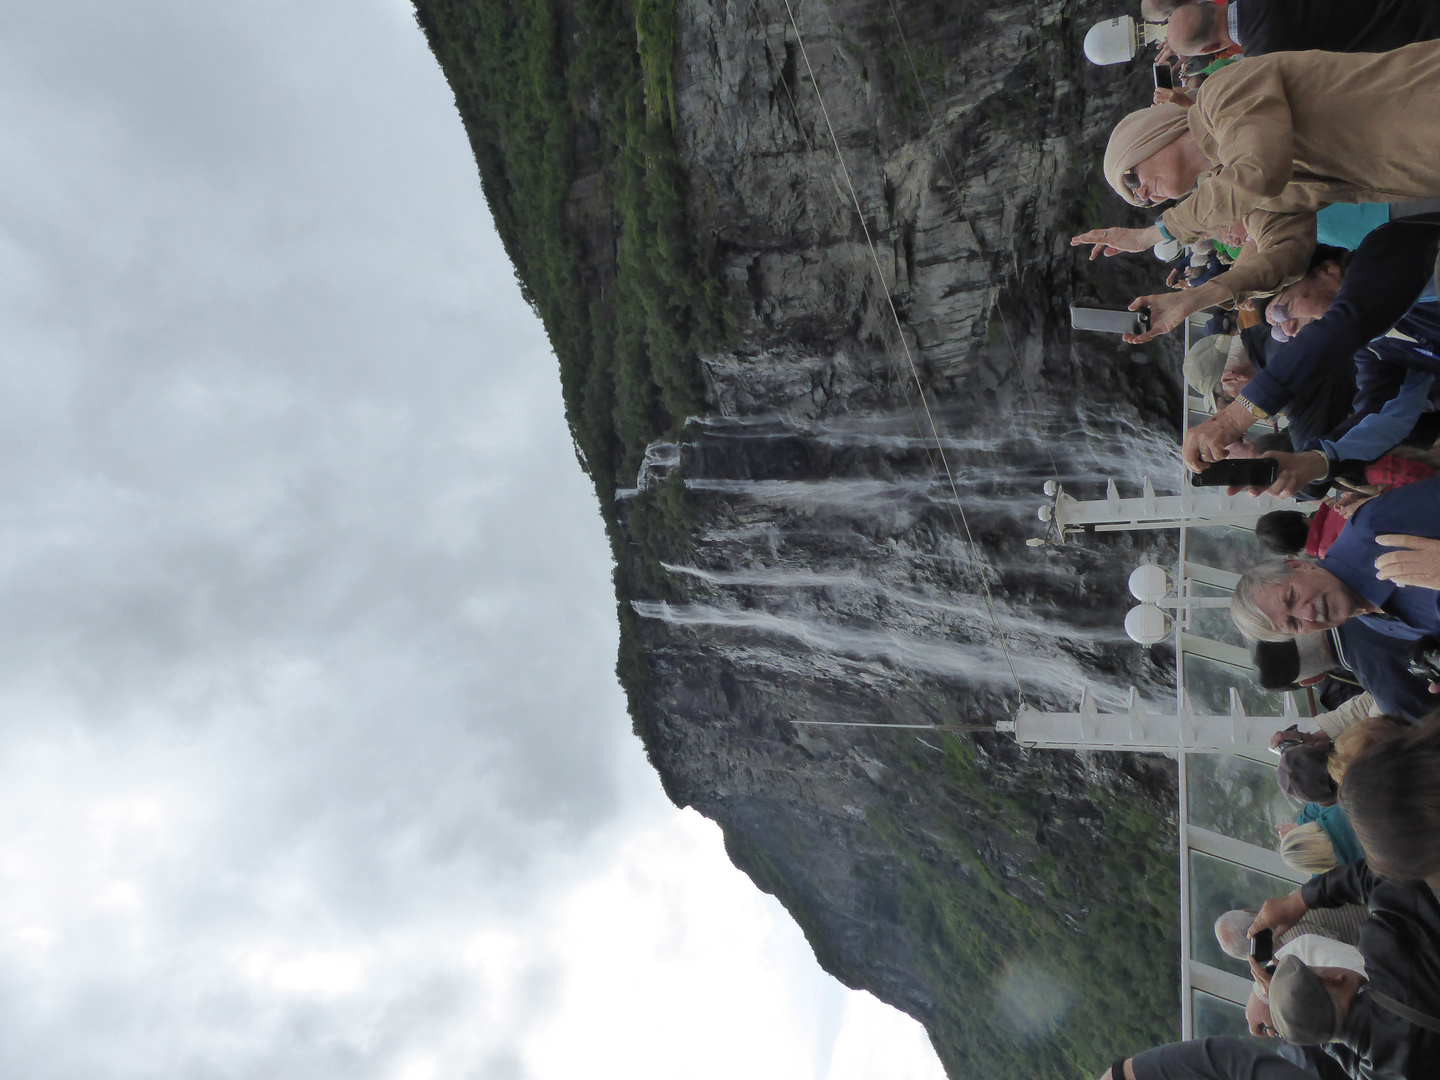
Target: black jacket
<point>1401,945</point>
<point>1267,26</point>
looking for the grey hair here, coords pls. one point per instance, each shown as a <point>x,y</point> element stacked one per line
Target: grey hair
<point>1306,848</point>
<point>1207,20</point>
<point>1232,931</point>
<point>1245,605</point>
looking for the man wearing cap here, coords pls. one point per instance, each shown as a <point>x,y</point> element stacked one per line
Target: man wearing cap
<point>1312,950</point>
<point>1268,142</point>
<point>1372,314</point>
<point>1382,1017</point>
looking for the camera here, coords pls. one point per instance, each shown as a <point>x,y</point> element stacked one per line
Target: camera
<point>1423,659</point>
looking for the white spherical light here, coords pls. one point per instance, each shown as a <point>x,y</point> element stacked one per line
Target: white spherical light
<point>1112,41</point>
<point>1149,583</point>
<point>1052,488</point>
<point>1046,513</point>
<point>1147,624</point>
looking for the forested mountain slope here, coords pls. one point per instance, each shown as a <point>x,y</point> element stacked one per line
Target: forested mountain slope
<point>716,277</point>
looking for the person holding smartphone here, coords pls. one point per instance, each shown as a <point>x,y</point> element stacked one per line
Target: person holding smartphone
<point>1270,141</point>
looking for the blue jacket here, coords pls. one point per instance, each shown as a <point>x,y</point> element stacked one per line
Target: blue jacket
<point>1412,509</point>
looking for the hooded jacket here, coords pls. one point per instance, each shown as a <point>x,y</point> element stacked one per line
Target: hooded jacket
<point>1400,942</point>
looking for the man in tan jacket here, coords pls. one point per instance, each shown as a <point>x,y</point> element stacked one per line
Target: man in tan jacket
<point>1270,141</point>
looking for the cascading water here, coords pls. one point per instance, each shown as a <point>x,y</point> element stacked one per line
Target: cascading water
<point>833,545</point>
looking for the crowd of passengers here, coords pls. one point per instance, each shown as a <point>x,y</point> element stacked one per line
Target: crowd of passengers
<point>1293,122</point>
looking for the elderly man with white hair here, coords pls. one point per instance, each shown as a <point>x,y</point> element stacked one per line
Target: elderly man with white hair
<point>1358,578</point>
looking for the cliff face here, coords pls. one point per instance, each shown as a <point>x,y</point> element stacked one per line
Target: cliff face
<point>876,202</point>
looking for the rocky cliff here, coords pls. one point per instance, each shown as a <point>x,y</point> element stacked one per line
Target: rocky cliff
<point>806,267</point>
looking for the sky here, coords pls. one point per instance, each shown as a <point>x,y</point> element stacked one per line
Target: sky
<point>312,759</point>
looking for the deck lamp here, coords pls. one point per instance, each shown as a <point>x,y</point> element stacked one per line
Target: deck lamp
<point>1147,624</point>
<point>1115,41</point>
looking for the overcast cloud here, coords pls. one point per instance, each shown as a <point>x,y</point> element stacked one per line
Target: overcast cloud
<point>312,761</point>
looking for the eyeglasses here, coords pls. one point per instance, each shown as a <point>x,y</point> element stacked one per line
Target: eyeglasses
<point>1131,180</point>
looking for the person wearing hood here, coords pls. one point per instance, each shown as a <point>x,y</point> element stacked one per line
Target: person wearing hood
<point>1269,142</point>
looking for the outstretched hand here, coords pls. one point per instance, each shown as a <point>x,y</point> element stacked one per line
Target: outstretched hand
<point>1110,242</point>
<point>1416,562</point>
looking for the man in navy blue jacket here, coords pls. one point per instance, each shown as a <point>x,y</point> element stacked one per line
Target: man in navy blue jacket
<point>1266,26</point>
<point>1333,317</point>
<point>1360,577</point>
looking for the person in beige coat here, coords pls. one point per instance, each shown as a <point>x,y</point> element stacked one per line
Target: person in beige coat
<point>1268,142</point>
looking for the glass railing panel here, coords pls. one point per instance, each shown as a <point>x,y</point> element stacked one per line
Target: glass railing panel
<point>1237,797</point>
<point>1216,1016</point>
<point>1225,547</point>
<point>1209,681</point>
<point>1217,886</point>
<point>1216,624</point>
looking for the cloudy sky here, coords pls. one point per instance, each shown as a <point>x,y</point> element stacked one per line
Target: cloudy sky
<point>312,762</point>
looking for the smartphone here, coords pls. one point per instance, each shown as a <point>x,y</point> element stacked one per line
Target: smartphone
<point>1164,77</point>
<point>1257,472</point>
<point>1262,947</point>
<point>1110,321</point>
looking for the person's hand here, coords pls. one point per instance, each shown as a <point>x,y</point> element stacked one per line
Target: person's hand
<point>1235,235</point>
<point>1258,1018</point>
<point>1417,562</point>
<point>1165,95</point>
<point>1110,242</point>
<point>1167,311</point>
<point>1345,505</point>
<point>1296,470</point>
<point>1279,914</point>
<point>1310,738</point>
<point>1206,443</point>
<point>1262,976</point>
<point>1165,53</point>
<point>1176,280</point>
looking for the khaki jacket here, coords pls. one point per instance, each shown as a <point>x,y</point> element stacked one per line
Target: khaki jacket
<point>1292,133</point>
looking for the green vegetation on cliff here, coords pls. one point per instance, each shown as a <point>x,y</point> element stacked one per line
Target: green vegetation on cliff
<point>1052,990</point>
<point>569,108</point>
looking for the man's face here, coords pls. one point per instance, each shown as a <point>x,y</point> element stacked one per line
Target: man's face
<point>1309,599</point>
<point>1298,305</point>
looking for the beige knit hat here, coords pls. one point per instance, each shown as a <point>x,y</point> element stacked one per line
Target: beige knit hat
<point>1138,136</point>
<point>1207,360</point>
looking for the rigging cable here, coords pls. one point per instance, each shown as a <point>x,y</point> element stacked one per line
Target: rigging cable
<point>970,224</point>
<point>910,360</point>
<point>849,250</point>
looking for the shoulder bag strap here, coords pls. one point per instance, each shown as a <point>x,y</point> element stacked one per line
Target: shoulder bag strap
<point>1405,1012</point>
